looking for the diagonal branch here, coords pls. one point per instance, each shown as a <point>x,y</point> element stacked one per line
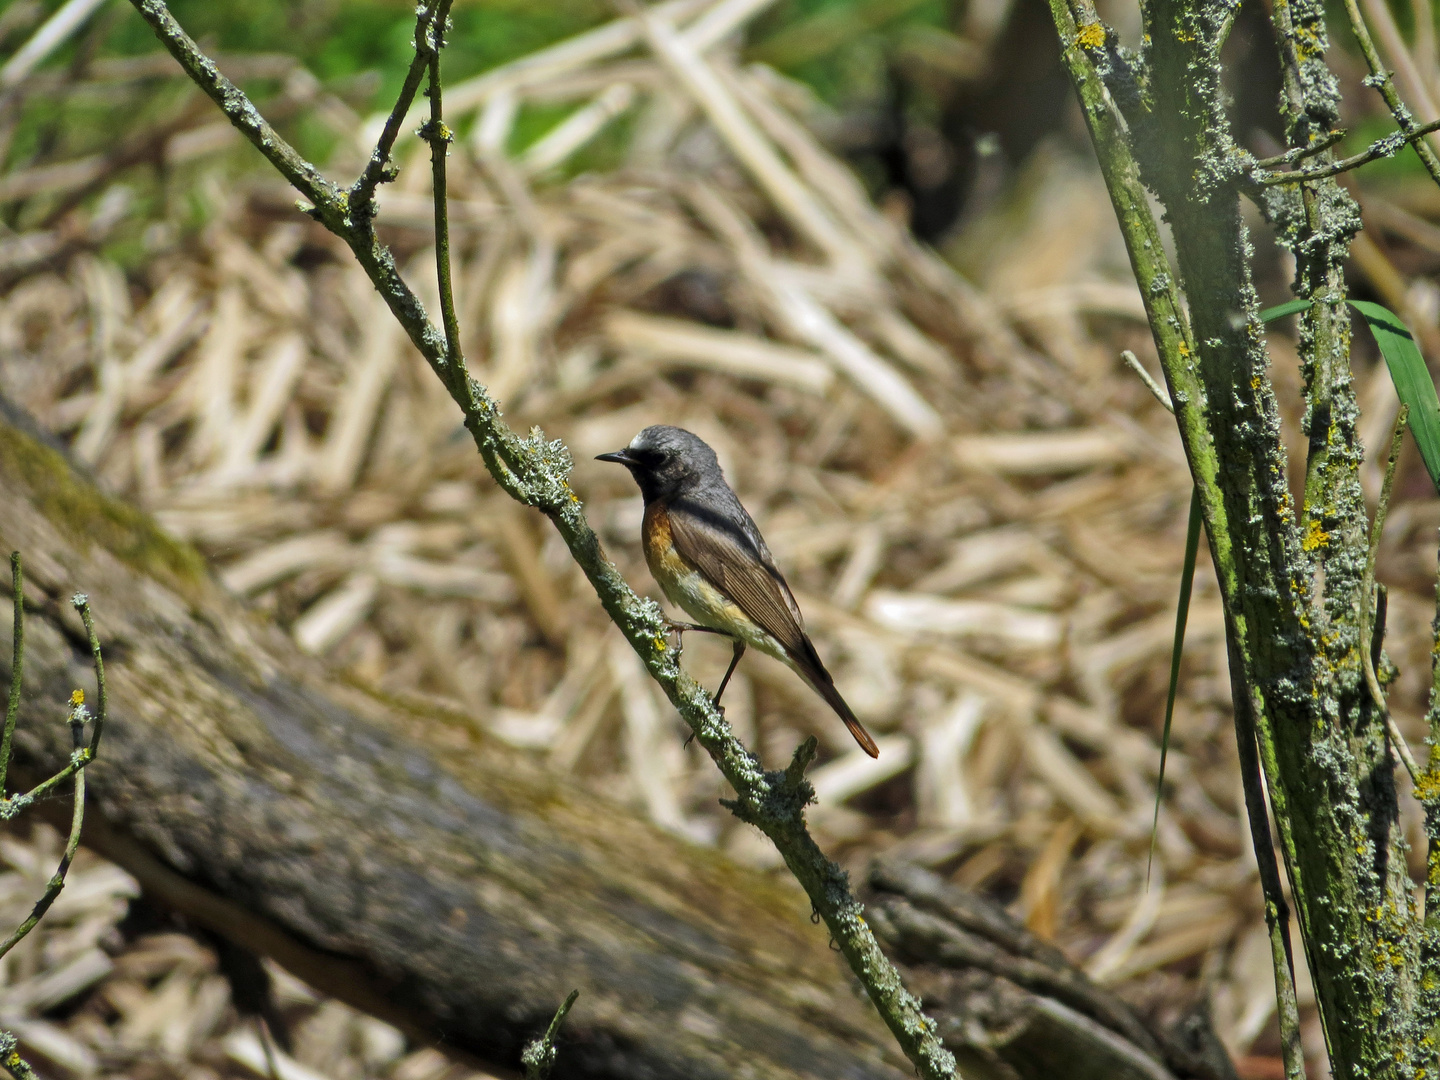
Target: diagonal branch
<point>536,472</point>
<point>238,108</point>
<point>1382,81</point>
<point>1380,148</point>
<point>429,39</point>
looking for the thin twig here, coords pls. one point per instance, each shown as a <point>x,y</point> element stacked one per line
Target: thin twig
<point>539,1056</point>
<point>1380,148</point>
<point>1300,153</point>
<point>1428,794</point>
<point>81,603</point>
<point>78,716</point>
<point>1381,79</point>
<point>536,472</point>
<point>1368,629</point>
<point>379,170</point>
<point>1277,911</point>
<point>241,112</point>
<point>17,664</point>
<point>10,1057</point>
<point>439,136</point>
<point>1133,363</point>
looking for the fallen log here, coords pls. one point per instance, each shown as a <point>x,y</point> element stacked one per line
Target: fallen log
<point>387,853</point>
<point>390,855</point>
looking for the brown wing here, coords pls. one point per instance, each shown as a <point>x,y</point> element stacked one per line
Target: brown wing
<point>733,557</point>
<point>732,562</point>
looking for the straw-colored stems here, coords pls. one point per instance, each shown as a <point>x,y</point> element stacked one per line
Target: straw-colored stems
<point>753,150</point>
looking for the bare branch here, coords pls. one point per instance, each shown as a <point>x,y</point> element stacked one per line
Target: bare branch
<point>429,39</point>
<point>539,1057</point>
<point>1133,363</point>
<point>536,472</point>
<point>1380,148</point>
<point>238,108</point>
<point>1381,80</point>
<point>1300,153</point>
<point>80,756</point>
<point>1371,629</point>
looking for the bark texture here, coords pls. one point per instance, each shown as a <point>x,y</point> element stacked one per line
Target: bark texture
<point>391,856</point>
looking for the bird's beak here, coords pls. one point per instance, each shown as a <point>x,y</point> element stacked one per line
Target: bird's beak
<point>619,457</point>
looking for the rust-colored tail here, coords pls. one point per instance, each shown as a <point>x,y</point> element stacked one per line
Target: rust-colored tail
<point>857,729</point>
<point>813,672</point>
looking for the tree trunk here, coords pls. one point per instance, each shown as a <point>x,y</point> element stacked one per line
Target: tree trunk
<point>393,857</point>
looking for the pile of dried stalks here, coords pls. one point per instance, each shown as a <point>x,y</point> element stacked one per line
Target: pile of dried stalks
<point>982,513</point>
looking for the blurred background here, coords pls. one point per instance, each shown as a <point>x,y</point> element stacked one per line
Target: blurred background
<point>858,245</point>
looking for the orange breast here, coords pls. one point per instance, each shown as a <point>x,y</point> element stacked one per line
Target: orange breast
<point>664,561</point>
<point>655,529</point>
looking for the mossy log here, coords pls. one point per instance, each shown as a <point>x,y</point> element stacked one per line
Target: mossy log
<point>392,856</point>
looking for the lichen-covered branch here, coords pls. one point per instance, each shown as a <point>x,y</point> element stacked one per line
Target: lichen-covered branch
<point>1277,909</point>
<point>80,756</point>
<point>539,1057</point>
<point>1381,80</point>
<point>1427,1009</point>
<point>536,472</point>
<point>1384,147</point>
<point>430,25</point>
<point>1291,578</point>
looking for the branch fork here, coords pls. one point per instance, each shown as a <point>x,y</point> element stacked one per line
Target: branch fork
<point>536,471</point>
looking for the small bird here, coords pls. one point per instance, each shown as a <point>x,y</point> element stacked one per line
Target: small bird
<point>710,559</point>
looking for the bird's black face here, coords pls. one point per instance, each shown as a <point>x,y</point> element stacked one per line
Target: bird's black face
<point>666,462</point>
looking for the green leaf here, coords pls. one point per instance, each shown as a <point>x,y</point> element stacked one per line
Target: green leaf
<point>1279,311</point>
<point>1182,614</point>
<point>1412,380</point>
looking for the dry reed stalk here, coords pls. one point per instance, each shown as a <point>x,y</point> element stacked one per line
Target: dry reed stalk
<point>986,548</point>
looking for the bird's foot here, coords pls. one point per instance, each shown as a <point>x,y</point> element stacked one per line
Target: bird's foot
<point>677,627</point>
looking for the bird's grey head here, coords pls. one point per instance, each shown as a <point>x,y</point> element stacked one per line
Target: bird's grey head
<point>668,461</point>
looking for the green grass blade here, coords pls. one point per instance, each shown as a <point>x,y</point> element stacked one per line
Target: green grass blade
<point>1279,311</point>
<point>1182,614</point>
<point>1412,380</point>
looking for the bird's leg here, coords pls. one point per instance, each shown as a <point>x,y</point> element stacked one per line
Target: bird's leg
<point>734,661</point>
<point>679,628</point>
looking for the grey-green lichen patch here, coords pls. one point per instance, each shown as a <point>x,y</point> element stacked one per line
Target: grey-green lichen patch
<point>89,516</point>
